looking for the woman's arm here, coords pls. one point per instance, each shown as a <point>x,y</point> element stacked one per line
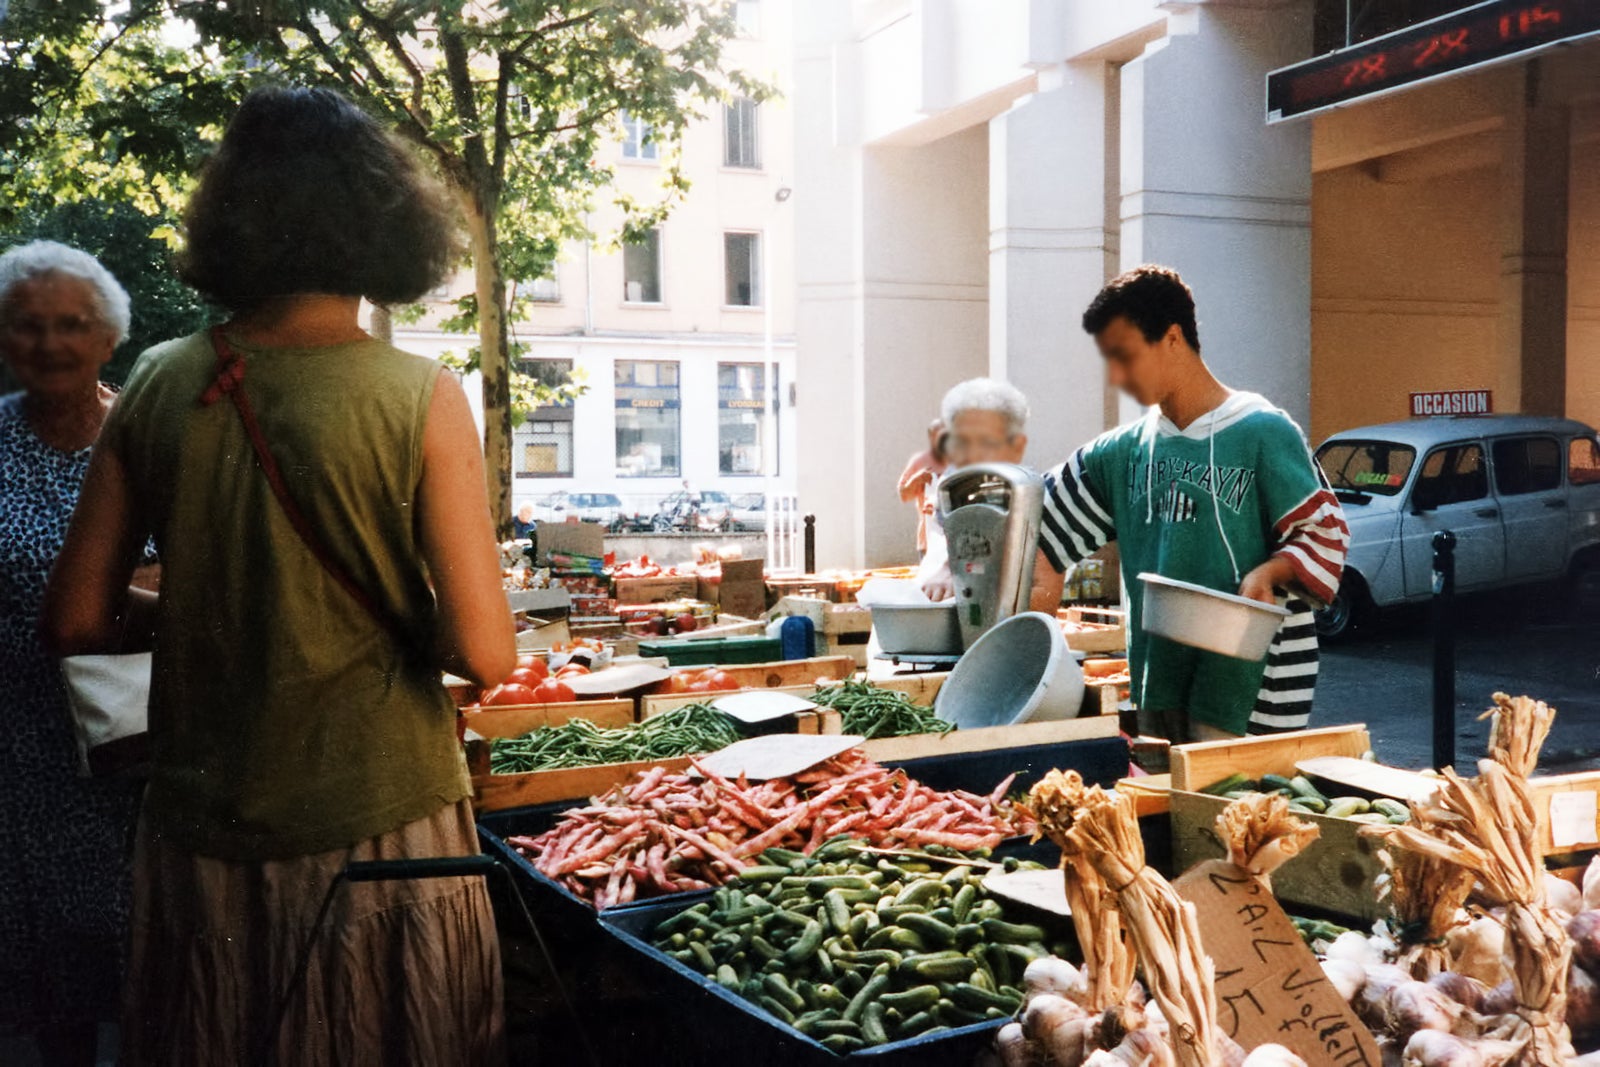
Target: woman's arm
<point>477,638</point>
<point>88,606</point>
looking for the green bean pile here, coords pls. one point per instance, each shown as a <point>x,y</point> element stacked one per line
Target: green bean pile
<point>684,731</point>
<point>872,712</point>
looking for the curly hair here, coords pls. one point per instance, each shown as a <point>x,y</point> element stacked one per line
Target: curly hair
<point>1154,299</point>
<point>308,194</point>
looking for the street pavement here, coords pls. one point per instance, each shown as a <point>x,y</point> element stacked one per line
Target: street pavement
<point>1518,642</point>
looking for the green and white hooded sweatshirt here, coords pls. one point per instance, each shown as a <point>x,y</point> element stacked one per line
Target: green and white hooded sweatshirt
<point>1207,504</point>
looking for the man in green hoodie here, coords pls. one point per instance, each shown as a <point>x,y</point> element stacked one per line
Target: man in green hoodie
<point>1213,486</point>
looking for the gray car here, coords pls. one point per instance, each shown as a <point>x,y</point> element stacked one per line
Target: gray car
<point>1520,492</point>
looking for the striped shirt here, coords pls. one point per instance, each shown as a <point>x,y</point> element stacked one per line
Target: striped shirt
<point>1157,489</point>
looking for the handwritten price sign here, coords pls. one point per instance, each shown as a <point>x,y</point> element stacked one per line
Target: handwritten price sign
<point>1270,987</point>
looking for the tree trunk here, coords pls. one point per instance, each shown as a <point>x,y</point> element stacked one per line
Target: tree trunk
<point>494,360</point>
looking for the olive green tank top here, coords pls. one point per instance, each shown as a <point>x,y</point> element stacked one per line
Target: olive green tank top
<point>283,719</point>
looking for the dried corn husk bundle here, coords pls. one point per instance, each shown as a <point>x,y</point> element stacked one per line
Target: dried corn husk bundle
<point>1160,924</point>
<point>1425,896</point>
<point>1489,827</point>
<point>1262,833</point>
<point>1108,959</point>
<point>1518,731</point>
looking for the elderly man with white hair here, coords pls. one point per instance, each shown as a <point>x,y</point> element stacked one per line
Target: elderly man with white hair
<point>987,422</point>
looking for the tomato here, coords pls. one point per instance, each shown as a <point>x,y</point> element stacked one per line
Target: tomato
<point>524,676</point>
<point>721,680</point>
<point>700,687</point>
<point>679,682</point>
<point>687,623</point>
<point>572,670</point>
<point>553,692</point>
<point>508,695</point>
<point>535,664</point>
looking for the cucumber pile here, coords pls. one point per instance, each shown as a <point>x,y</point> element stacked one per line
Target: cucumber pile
<point>856,952</point>
<point>1308,799</point>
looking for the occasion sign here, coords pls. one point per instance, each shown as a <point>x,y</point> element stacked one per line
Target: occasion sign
<point>1452,402</point>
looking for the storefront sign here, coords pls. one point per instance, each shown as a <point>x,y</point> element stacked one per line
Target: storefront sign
<point>1476,36</point>
<point>1452,402</point>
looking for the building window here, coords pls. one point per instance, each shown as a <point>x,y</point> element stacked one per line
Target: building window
<point>747,14</point>
<point>647,419</point>
<point>638,140</point>
<point>542,445</point>
<point>741,143</point>
<point>546,290</point>
<point>741,405</point>
<point>741,269</point>
<point>641,269</point>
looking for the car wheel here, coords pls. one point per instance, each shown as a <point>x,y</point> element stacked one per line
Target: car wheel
<point>1585,590</point>
<point>1338,620</point>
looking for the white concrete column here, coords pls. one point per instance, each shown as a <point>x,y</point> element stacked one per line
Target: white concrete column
<point>1052,245</point>
<point>1533,265</point>
<point>1210,189</point>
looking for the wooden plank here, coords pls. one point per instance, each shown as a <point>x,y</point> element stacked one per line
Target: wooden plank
<point>789,672</point>
<point>1108,629</point>
<point>921,688</point>
<point>1150,793</point>
<point>516,721</point>
<point>496,792</point>
<point>1198,765</point>
<point>1364,776</point>
<point>617,680</point>
<point>920,746</point>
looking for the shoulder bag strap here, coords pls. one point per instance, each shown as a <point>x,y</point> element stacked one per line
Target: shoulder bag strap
<point>229,382</point>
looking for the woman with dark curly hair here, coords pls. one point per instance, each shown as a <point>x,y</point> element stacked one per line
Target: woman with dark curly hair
<point>297,717</point>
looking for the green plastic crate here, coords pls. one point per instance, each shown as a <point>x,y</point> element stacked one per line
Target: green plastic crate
<point>719,651</point>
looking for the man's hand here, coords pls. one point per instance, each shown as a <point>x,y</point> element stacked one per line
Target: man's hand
<point>1263,582</point>
<point>938,586</point>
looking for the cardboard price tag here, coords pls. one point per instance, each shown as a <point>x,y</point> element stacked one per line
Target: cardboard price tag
<point>1270,987</point>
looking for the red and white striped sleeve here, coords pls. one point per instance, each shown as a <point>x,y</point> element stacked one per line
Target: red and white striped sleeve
<point>1313,537</point>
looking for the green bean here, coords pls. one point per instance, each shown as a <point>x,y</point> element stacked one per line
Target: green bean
<point>684,731</point>
<point>870,712</point>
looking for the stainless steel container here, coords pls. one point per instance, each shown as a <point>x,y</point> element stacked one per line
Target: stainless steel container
<point>991,514</point>
<point>1224,623</point>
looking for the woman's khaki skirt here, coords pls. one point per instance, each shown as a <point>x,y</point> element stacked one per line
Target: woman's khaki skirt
<point>404,972</point>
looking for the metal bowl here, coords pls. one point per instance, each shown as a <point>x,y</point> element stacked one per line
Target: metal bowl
<point>1223,623</point>
<point>917,629</point>
<point>1019,671</point>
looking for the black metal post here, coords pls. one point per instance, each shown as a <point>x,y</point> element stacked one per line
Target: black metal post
<point>1444,649</point>
<point>811,544</point>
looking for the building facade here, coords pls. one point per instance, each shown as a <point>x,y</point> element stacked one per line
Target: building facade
<point>684,342</point>
<point>974,170</point>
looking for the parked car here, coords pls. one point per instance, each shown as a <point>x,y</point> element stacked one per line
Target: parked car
<point>604,508</point>
<point>702,511</point>
<point>749,512</point>
<point>1521,493</point>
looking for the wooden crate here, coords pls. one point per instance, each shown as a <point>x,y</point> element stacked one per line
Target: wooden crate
<point>512,721</point>
<point>659,590</point>
<point>1566,790</point>
<point>1110,633</point>
<point>797,675</point>
<point>1335,872</point>
<point>1149,793</point>
<point>497,792</point>
<point>651,706</point>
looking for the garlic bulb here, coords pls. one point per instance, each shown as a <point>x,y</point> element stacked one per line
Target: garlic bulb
<point>1347,977</point>
<point>1561,895</point>
<point>1431,1048</point>
<point>1591,884</point>
<point>1049,974</point>
<point>1478,950</point>
<point>1015,1049</point>
<point>1413,1006</point>
<point>1352,945</point>
<point>1468,992</point>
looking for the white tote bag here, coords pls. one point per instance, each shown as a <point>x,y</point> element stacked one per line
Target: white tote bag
<point>109,701</point>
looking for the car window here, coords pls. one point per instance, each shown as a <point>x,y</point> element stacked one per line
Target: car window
<point>1583,461</point>
<point>610,500</point>
<point>1527,465</point>
<point>1452,475</point>
<point>1380,467</point>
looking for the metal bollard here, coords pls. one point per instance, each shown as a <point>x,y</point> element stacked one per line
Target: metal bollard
<point>1444,650</point>
<point>811,544</point>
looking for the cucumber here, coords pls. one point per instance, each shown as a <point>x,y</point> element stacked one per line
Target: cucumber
<point>776,987</point>
<point>916,999</point>
<point>775,1008</point>
<point>805,946</point>
<point>1227,785</point>
<point>962,903</point>
<point>872,1029</point>
<point>1373,817</point>
<point>958,969</point>
<point>1271,782</point>
<point>920,893</point>
<point>1344,807</point>
<point>1391,809</point>
<point>843,1044</point>
<point>931,930</point>
<point>917,1024</point>
<point>876,986</point>
<point>1315,805</point>
<point>837,910</point>
<point>997,930</point>
<point>970,997</point>
<point>1302,787</point>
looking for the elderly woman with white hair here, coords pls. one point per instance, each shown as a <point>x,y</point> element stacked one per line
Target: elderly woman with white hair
<point>64,881</point>
<point>986,421</point>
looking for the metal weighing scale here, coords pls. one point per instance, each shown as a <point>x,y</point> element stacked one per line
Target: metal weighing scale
<point>991,514</point>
